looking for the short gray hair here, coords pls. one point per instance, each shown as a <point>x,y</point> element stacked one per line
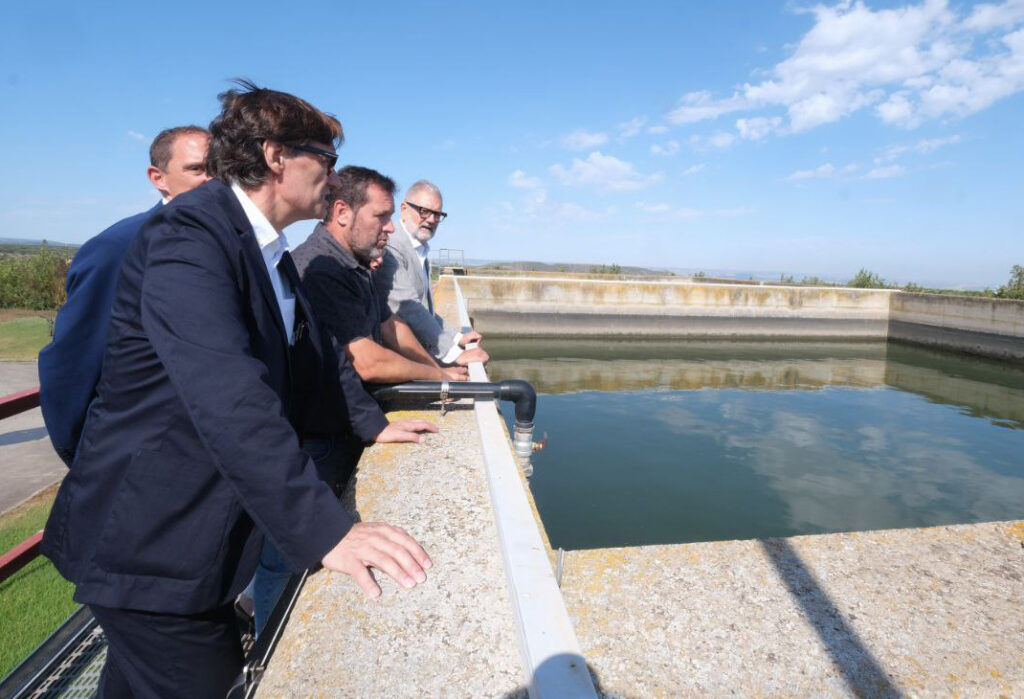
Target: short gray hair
<point>423,185</point>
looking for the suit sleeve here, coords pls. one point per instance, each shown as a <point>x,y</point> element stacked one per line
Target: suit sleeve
<point>196,318</point>
<point>69,367</point>
<point>395,285</point>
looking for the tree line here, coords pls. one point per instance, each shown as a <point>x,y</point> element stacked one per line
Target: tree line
<point>34,280</point>
<point>1013,289</point>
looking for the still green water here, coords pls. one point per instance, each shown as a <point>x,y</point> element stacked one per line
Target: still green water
<point>680,442</point>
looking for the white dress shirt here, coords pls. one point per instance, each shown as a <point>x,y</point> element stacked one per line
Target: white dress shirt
<point>273,245</point>
<point>422,251</point>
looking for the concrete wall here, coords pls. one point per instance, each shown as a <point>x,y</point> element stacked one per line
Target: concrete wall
<point>606,308</point>
<point>987,327</point>
<point>549,307</point>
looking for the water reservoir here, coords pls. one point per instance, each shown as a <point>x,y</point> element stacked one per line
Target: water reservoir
<point>684,441</point>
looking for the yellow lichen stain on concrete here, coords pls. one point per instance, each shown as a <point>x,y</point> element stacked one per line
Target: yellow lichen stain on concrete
<point>1016,530</point>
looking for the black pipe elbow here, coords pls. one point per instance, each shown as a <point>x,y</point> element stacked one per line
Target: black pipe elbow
<point>523,395</point>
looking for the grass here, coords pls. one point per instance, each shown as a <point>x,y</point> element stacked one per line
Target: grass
<point>36,599</point>
<point>23,337</point>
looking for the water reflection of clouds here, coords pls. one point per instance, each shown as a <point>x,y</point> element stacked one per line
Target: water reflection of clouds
<point>907,451</point>
<point>851,458</point>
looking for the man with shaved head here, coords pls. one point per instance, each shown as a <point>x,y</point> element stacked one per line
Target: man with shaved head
<point>404,278</point>
<point>69,367</point>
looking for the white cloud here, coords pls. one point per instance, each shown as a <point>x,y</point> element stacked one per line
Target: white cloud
<point>694,169</point>
<point>446,144</point>
<point>683,212</point>
<point>922,147</point>
<point>820,172</point>
<point>668,149</point>
<point>722,139</point>
<point>584,140</point>
<point>656,130</point>
<point>605,173</point>
<point>986,17</point>
<point>913,63</point>
<point>519,180</point>
<point>932,144</point>
<point>136,136</point>
<point>628,129</point>
<point>756,128</point>
<point>654,208</point>
<point>898,110</point>
<point>536,205</point>
<point>698,106</point>
<point>884,173</point>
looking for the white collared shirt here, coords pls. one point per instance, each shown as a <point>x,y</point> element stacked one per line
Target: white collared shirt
<point>273,245</point>
<point>422,251</point>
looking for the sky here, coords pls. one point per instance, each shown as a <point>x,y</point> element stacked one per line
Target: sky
<point>755,136</point>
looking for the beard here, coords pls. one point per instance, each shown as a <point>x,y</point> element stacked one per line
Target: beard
<point>423,234</point>
<point>365,256</point>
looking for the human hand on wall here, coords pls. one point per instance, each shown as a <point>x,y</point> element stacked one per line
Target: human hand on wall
<point>477,354</point>
<point>377,545</point>
<point>405,431</point>
<point>471,336</point>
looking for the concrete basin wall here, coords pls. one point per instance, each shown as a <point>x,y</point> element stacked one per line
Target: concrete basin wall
<point>987,327</point>
<point>574,307</point>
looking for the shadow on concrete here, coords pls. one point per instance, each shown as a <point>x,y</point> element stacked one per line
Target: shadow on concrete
<point>858,666</point>
<point>20,436</point>
<point>561,690</point>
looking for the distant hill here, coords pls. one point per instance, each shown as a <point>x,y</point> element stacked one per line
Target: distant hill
<point>30,242</point>
<point>571,267</point>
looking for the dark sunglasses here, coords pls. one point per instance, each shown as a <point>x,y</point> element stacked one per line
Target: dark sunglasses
<point>424,212</point>
<point>329,158</point>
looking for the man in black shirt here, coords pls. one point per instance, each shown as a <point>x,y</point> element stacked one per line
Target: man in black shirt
<point>334,264</point>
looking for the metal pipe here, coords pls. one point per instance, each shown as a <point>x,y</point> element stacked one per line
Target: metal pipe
<point>521,393</point>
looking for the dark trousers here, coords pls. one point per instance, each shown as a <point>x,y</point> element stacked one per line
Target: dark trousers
<point>165,655</point>
<point>335,459</point>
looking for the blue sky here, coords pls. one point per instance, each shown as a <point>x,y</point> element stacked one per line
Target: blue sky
<point>776,137</point>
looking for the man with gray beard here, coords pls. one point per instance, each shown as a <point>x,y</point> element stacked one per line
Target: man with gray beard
<point>404,278</point>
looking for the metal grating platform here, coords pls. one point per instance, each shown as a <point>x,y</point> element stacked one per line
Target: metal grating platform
<point>78,675</point>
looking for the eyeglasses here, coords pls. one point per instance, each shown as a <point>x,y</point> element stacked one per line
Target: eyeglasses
<point>329,158</point>
<point>424,212</point>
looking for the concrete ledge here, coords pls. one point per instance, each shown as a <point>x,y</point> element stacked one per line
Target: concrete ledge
<point>453,635</point>
<point>920,612</point>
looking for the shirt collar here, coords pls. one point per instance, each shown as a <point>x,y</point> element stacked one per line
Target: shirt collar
<point>325,239</point>
<point>422,249</point>
<point>271,241</point>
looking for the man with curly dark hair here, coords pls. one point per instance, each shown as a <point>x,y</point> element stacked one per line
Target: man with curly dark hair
<point>190,454</point>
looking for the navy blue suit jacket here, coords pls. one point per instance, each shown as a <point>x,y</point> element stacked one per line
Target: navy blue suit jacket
<point>189,453</point>
<point>69,367</point>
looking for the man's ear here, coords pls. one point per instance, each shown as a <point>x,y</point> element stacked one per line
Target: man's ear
<point>341,213</point>
<point>156,177</point>
<point>273,154</point>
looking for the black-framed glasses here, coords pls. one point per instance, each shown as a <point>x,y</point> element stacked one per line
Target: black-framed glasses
<point>424,212</point>
<point>330,158</point>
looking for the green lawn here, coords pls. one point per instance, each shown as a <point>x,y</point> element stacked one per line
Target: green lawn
<point>36,599</point>
<point>22,338</point>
